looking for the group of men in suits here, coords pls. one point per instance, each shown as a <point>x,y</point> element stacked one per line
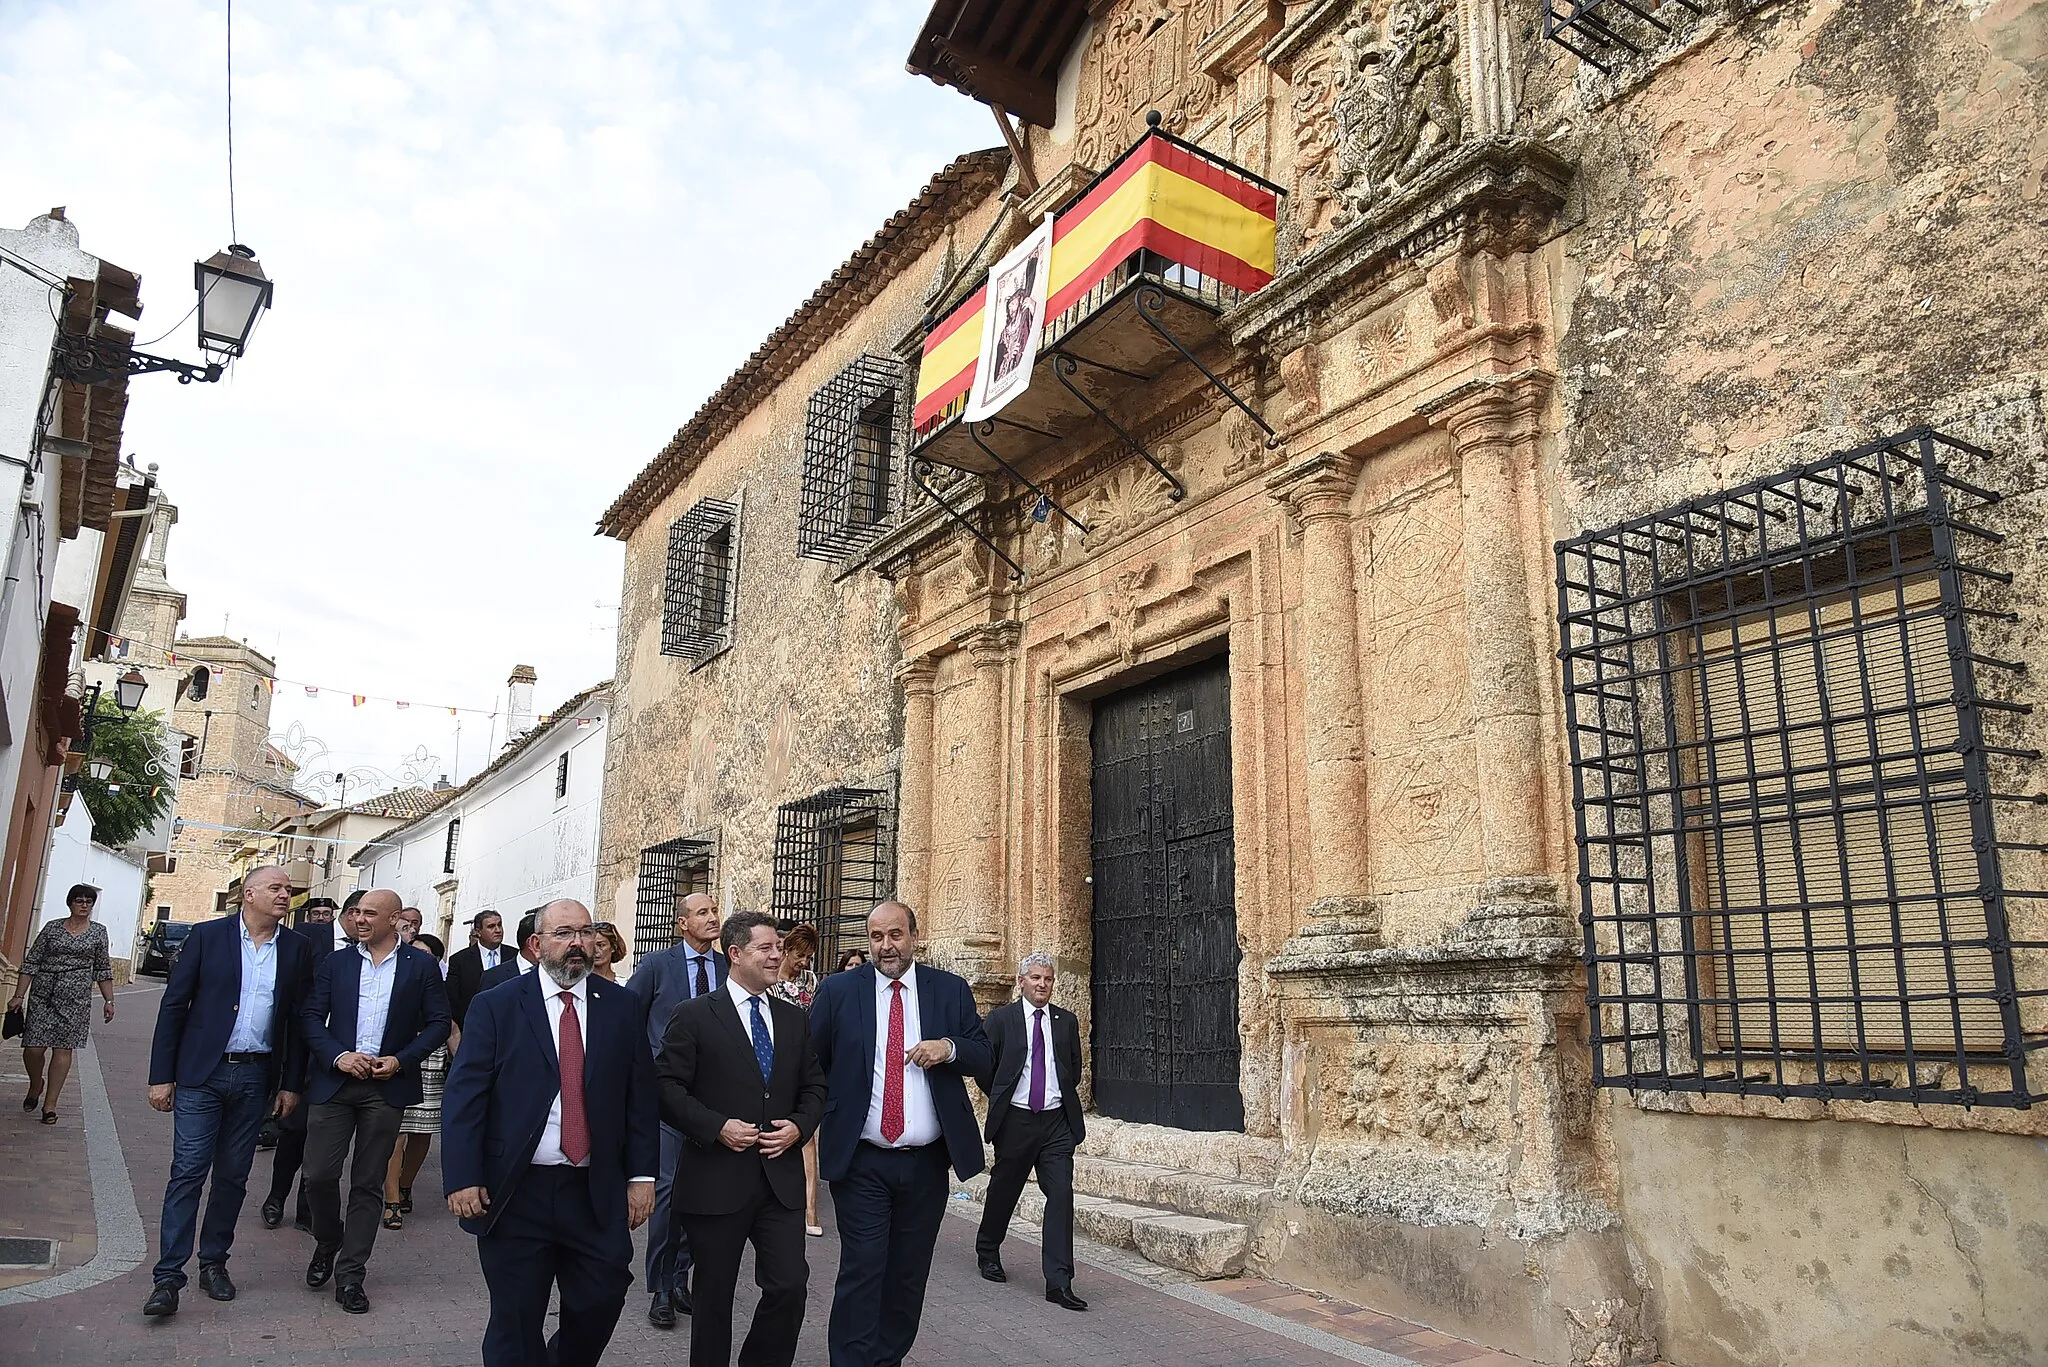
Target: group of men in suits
<point>254,1010</point>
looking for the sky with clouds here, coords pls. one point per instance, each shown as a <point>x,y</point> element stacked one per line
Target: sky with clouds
<point>515,244</point>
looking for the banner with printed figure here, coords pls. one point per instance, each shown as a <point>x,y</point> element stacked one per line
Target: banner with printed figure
<point>1011,322</point>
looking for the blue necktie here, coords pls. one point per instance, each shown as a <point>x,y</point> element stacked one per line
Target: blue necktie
<point>764,1048</point>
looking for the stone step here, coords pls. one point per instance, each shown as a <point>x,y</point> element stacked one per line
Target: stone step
<point>1231,1157</point>
<point>1194,1244</point>
<point>1175,1189</point>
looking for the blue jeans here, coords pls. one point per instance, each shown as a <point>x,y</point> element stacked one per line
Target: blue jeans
<point>215,1130</point>
<point>668,1246</point>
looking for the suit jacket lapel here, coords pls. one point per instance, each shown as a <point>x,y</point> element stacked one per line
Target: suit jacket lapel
<point>723,1007</point>
<point>591,997</point>
<point>865,1005</point>
<point>536,1013</point>
<point>349,989</point>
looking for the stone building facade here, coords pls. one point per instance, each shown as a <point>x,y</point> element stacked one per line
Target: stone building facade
<point>1332,747</point>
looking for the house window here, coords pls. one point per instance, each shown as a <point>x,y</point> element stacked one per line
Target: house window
<point>696,619</point>
<point>1790,764</point>
<point>562,776</point>
<point>188,757</point>
<point>669,872</point>
<point>850,440</point>
<point>834,859</point>
<point>448,850</point>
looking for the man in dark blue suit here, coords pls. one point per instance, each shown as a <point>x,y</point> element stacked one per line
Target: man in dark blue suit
<point>548,1146</point>
<point>226,1037</point>
<point>377,1010</point>
<point>690,968</point>
<point>898,1043</point>
<point>512,965</point>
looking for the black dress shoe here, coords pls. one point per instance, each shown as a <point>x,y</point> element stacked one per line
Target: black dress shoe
<point>1064,1295</point>
<point>273,1214</point>
<point>213,1280</point>
<point>680,1299</point>
<point>163,1300</point>
<point>992,1269</point>
<point>349,1296</point>
<point>322,1266</point>
<point>660,1313</point>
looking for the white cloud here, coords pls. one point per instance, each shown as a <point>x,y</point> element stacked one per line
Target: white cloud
<point>515,244</point>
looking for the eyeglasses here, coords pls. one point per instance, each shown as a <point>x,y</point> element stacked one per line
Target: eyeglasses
<point>564,934</point>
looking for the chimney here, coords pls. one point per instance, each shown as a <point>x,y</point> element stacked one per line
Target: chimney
<point>442,785</point>
<point>519,702</point>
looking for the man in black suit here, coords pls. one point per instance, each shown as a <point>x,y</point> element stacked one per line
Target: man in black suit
<point>377,1010</point>
<point>690,968</point>
<point>466,967</point>
<point>898,1042</point>
<point>1034,1121</point>
<point>739,1080</point>
<point>548,1147</point>
<point>227,1037</point>
<point>512,965</point>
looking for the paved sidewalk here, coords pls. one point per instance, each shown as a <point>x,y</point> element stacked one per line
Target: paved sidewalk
<point>429,1304</point>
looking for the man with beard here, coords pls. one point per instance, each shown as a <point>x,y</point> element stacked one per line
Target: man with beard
<point>898,1042</point>
<point>549,1140</point>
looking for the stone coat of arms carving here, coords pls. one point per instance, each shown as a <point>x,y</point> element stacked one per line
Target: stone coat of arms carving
<point>1397,105</point>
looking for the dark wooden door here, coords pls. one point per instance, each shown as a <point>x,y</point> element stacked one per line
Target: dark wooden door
<point>1165,915</point>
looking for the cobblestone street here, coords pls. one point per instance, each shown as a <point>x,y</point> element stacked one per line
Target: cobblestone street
<point>428,1295</point>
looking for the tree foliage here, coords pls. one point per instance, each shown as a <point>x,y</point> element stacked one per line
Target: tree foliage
<point>141,788</point>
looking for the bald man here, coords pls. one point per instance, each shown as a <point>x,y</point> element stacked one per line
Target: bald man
<point>377,1010</point>
<point>690,968</point>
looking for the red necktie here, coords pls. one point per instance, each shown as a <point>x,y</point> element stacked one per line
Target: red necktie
<point>892,1070</point>
<point>575,1125</point>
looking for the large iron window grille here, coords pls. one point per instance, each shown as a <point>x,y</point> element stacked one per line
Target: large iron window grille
<point>1599,32</point>
<point>834,859</point>
<point>850,442</point>
<point>454,838</point>
<point>669,872</point>
<point>1788,777</point>
<point>696,613</point>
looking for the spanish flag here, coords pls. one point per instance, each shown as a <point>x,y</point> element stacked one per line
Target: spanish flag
<point>1162,197</point>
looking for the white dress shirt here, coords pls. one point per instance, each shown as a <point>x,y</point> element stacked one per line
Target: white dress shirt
<point>251,1034</point>
<point>740,1001</point>
<point>1021,1098</point>
<point>489,957</point>
<point>373,1000</point>
<point>920,1117</point>
<point>548,1153</point>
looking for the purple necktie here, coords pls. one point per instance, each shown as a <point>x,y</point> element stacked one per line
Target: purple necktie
<point>1038,1059</point>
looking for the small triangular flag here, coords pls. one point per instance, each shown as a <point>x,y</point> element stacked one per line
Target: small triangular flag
<point>357,699</point>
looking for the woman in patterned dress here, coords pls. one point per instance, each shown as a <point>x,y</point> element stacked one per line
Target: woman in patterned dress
<point>57,978</point>
<point>418,1126</point>
<point>799,984</point>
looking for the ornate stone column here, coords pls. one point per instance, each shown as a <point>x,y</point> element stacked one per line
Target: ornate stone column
<point>1494,423</point>
<point>1318,492</point>
<point>978,944</point>
<point>914,783</point>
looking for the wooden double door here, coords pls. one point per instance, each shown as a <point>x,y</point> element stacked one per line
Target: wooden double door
<point>1165,908</point>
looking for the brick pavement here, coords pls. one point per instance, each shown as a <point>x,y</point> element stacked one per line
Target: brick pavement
<point>429,1304</point>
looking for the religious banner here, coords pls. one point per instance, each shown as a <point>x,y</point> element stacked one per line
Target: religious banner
<point>1011,323</point>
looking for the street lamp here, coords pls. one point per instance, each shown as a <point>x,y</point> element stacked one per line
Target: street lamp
<point>128,690</point>
<point>100,768</point>
<point>233,292</point>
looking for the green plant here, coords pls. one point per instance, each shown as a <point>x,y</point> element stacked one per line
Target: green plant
<point>140,790</point>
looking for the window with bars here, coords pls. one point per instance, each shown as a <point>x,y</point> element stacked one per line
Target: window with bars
<point>835,857</point>
<point>697,600</point>
<point>1603,32</point>
<point>850,443</point>
<point>1790,767</point>
<point>669,872</point>
<point>454,838</point>
<point>562,776</point>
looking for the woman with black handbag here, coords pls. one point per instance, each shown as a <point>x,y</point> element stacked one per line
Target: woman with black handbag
<point>69,958</point>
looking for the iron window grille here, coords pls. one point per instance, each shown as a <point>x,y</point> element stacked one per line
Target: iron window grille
<point>562,776</point>
<point>1787,784</point>
<point>448,847</point>
<point>669,872</point>
<point>834,860</point>
<point>1612,29</point>
<point>697,602</point>
<point>850,441</point>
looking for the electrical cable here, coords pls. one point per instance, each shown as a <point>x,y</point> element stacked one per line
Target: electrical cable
<point>233,234</point>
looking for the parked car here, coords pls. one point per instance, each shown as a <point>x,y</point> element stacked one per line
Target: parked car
<point>160,944</point>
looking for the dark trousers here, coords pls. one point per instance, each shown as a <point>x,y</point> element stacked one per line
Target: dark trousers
<point>214,1131</point>
<point>358,1115</point>
<point>285,1164</point>
<point>548,1236</point>
<point>668,1244</point>
<point>1026,1141</point>
<point>780,1270</point>
<point>889,1207</point>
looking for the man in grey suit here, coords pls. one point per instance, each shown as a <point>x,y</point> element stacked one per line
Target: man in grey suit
<point>1034,1121</point>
